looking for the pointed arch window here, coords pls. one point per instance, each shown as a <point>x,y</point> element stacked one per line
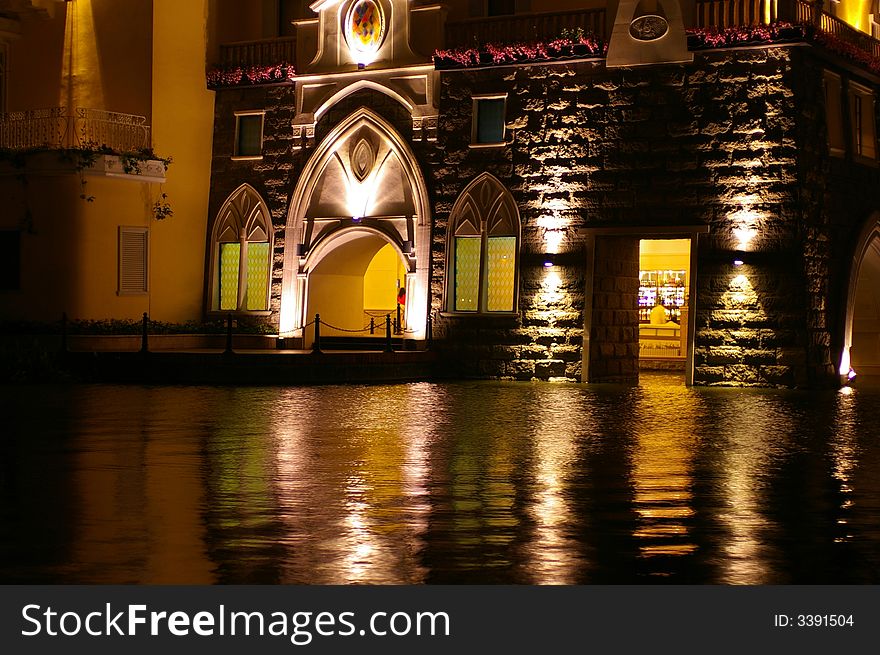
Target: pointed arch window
<point>242,253</point>
<point>483,246</point>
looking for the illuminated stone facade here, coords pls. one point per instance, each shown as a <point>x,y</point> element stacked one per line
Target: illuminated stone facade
<point>728,150</point>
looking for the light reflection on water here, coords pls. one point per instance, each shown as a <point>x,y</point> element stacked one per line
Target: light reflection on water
<point>480,482</point>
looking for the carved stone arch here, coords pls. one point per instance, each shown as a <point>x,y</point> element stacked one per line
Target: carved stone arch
<point>243,220</point>
<point>362,174</point>
<point>867,245</point>
<point>243,212</point>
<point>487,200</point>
<point>484,209</point>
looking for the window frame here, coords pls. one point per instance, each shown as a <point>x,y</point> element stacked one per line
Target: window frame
<point>858,114</point>
<point>475,120</point>
<point>459,214</point>
<point>229,217</point>
<point>236,153</point>
<point>121,287</point>
<point>836,132</point>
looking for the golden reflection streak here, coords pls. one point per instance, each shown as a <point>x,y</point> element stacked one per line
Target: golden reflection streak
<point>844,453</point>
<point>663,466</point>
<point>551,553</point>
<point>364,519</point>
<point>750,418</point>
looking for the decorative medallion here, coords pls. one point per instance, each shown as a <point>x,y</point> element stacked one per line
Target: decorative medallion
<point>648,28</point>
<point>365,27</point>
<point>362,160</point>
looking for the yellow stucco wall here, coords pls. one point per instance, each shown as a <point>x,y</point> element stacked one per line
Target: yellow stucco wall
<point>183,116</point>
<point>148,60</point>
<point>70,246</point>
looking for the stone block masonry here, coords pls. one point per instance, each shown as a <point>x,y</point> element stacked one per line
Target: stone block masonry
<point>723,142</point>
<point>734,141</point>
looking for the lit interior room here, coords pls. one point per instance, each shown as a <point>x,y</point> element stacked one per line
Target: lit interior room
<point>664,275</point>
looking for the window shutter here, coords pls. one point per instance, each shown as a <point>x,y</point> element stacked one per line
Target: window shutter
<point>133,257</point>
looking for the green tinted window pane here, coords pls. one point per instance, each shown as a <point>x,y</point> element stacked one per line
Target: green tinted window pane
<point>230,253</point>
<point>257,276</point>
<point>490,121</point>
<point>467,274</point>
<point>250,136</point>
<point>500,273</point>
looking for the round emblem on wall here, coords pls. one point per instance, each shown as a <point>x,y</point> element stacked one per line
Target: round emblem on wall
<point>365,27</point>
<point>648,28</point>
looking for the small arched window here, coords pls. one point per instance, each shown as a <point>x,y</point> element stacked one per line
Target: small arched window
<point>483,249</point>
<point>242,253</point>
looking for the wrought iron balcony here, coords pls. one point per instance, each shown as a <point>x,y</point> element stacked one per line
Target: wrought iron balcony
<point>547,26</point>
<point>528,28</point>
<point>265,52</point>
<point>59,128</point>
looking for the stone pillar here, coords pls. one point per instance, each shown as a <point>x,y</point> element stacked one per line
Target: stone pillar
<point>614,333</point>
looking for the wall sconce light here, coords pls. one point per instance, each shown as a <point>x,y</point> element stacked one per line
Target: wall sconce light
<point>738,262</point>
<point>548,263</point>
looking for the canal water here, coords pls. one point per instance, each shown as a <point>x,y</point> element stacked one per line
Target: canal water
<point>468,482</point>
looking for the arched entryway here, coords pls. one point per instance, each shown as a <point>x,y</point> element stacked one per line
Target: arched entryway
<point>861,349</point>
<point>360,196</point>
<point>357,278</point>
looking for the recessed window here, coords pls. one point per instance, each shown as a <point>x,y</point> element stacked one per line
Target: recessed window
<point>249,135</point>
<point>489,119</point>
<point>242,254</point>
<point>3,66</point>
<point>834,113</point>
<point>861,109</point>
<point>134,245</point>
<point>10,260</point>
<point>484,249</point>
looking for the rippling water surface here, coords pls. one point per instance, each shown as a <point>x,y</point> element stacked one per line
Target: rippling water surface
<point>480,482</point>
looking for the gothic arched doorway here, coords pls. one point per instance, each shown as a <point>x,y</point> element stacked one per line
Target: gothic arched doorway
<point>361,191</point>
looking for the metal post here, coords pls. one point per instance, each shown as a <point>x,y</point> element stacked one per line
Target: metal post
<point>397,326</point>
<point>388,348</point>
<point>228,350</point>
<point>64,332</point>
<point>316,345</point>
<point>144,336</point>
<point>430,330</point>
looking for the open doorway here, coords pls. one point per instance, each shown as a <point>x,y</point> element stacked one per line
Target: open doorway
<point>354,287</point>
<point>639,299</point>
<point>664,278</point>
<point>861,353</point>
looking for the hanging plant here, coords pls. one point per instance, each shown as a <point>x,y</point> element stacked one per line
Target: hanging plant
<point>219,78</point>
<point>162,208</point>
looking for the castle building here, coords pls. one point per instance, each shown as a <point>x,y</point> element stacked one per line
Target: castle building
<point>557,190</point>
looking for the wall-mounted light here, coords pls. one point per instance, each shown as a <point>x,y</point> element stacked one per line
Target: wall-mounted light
<point>738,262</point>
<point>548,263</point>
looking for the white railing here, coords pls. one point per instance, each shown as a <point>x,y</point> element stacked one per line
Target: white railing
<point>57,127</point>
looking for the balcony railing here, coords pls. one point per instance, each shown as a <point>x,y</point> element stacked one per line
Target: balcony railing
<point>527,28</point>
<point>538,27</point>
<point>848,34</point>
<point>266,52</point>
<point>58,127</point>
<point>735,13</point>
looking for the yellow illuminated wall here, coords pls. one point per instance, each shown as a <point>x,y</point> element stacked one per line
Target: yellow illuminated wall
<point>147,60</point>
<point>855,12</point>
<point>664,254</point>
<point>381,279</point>
<point>183,114</point>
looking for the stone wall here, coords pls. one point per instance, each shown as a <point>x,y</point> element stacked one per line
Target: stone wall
<point>733,141</point>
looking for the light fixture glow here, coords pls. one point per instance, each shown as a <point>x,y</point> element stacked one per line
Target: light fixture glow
<point>738,262</point>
